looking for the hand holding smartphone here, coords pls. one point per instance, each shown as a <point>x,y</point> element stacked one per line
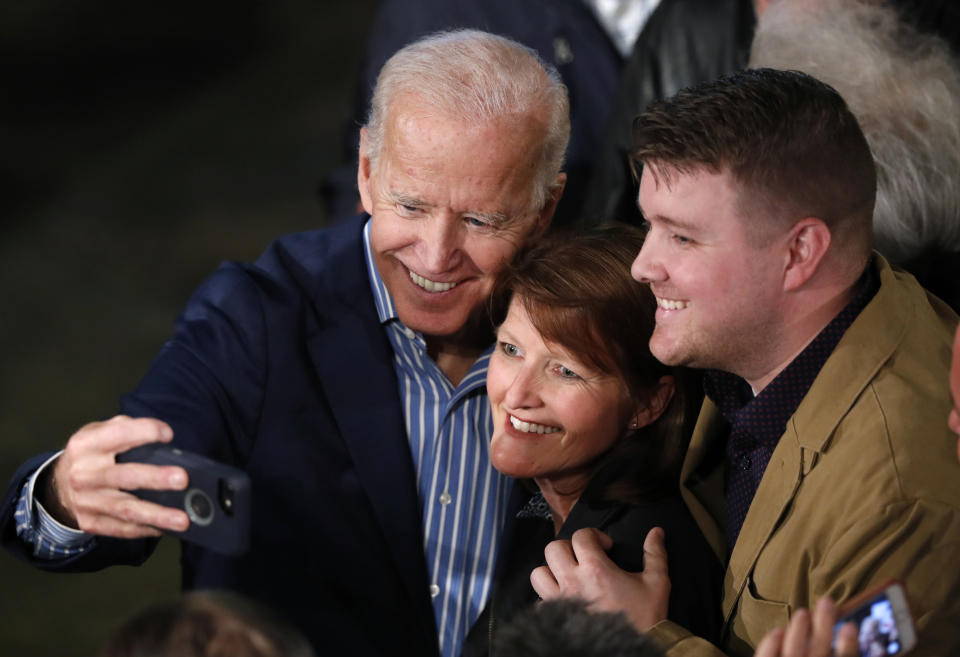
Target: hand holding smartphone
<point>217,497</point>
<point>883,620</point>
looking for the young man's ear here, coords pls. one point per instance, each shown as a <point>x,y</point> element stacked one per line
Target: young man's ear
<point>363,173</point>
<point>807,245</point>
<point>653,406</point>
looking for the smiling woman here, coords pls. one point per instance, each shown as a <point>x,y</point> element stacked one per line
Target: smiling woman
<point>592,420</point>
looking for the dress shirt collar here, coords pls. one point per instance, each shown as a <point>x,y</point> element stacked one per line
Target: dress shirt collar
<point>381,296</point>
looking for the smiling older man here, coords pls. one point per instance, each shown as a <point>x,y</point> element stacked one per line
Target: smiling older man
<point>344,371</point>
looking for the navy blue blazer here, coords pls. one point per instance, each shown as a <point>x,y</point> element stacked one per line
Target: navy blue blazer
<point>282,368</point>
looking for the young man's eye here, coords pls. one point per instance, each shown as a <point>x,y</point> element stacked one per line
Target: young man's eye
<point>682,239</point>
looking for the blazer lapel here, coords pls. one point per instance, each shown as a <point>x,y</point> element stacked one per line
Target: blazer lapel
<point>353,358</point>
<point>701,478</point>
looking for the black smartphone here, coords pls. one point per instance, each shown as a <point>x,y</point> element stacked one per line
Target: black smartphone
<point>883,620</point>
<point>217,497</point>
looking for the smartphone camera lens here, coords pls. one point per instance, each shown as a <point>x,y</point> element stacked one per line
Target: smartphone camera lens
<point>199,507</point>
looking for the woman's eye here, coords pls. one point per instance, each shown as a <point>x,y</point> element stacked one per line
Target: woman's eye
<point>509,349</point>
<point>567,373</point>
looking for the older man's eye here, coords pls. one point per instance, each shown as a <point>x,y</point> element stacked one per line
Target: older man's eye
<point>478,222</point>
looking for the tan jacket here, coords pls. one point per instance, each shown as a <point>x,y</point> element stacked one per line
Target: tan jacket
<point>864,484</point>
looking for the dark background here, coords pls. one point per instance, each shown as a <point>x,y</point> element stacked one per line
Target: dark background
<point>142,143</point>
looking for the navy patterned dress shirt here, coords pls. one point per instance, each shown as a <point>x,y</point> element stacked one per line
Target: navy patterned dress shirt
<point>757,422</point>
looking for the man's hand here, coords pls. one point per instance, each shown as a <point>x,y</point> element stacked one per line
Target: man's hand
<point>86,489</point>
<point>803,638</point>
<point>581,568</point>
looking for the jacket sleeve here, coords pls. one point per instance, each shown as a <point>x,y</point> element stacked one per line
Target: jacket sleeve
<point>678,642</point>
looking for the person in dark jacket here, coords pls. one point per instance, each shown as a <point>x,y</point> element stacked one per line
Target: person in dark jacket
<point>585,413</point>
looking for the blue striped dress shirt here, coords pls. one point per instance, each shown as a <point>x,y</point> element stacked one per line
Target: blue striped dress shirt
<point>462,498</point>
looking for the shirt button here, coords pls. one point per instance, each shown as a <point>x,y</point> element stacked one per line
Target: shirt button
<point>434,590</point>
<point>445,498</point>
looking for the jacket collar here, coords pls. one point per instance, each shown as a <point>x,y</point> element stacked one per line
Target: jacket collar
<point>865,347</point>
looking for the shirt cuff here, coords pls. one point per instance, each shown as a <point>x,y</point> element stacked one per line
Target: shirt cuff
<point>49,538</point>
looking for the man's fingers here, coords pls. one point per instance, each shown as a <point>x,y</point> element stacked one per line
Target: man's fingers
<point>559,556</point>
<point>114,513</point>
<point>544,583</point>
<point>824,618</point>
<point>136,476</point>
<point>847,641</point>
<point>120,433</point>
<point>797,638</point>
<point>589,543</point>
<point>655,553</point>
<point>107,526</point>
<point>770,645</point>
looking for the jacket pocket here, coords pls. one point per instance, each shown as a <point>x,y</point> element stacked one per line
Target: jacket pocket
<point>753,618</point>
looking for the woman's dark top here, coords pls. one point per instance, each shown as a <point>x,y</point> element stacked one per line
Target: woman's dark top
<point>695,572</point>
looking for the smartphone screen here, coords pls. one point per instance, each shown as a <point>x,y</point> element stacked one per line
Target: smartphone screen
<point>883,624</point>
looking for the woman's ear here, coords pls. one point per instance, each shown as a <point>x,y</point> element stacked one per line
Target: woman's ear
<point>654,404</point>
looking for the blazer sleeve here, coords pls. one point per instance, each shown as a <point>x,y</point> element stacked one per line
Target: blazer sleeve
<point>205,382</point>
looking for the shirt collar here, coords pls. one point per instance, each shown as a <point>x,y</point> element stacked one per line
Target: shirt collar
<point>381,297</point>
<point>477,375</point>
<point>769,411</point>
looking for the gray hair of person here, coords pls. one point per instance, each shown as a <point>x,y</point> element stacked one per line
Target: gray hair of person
<point>474,76</point>
<point>904,88</point>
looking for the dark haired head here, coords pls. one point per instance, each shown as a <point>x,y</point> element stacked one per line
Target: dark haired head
<point>577,291</point>
<point>788,141</point>
<point>207,624</point>
<point>566,628</point>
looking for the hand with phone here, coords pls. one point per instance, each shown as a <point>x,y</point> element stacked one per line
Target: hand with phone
<point>87,488</point>
<point>216,499</point>
<point>873,624</point>
<point>811,635</point>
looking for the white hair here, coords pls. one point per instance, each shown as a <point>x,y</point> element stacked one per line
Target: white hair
<point>904,89</point>
<point>474,76</point>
